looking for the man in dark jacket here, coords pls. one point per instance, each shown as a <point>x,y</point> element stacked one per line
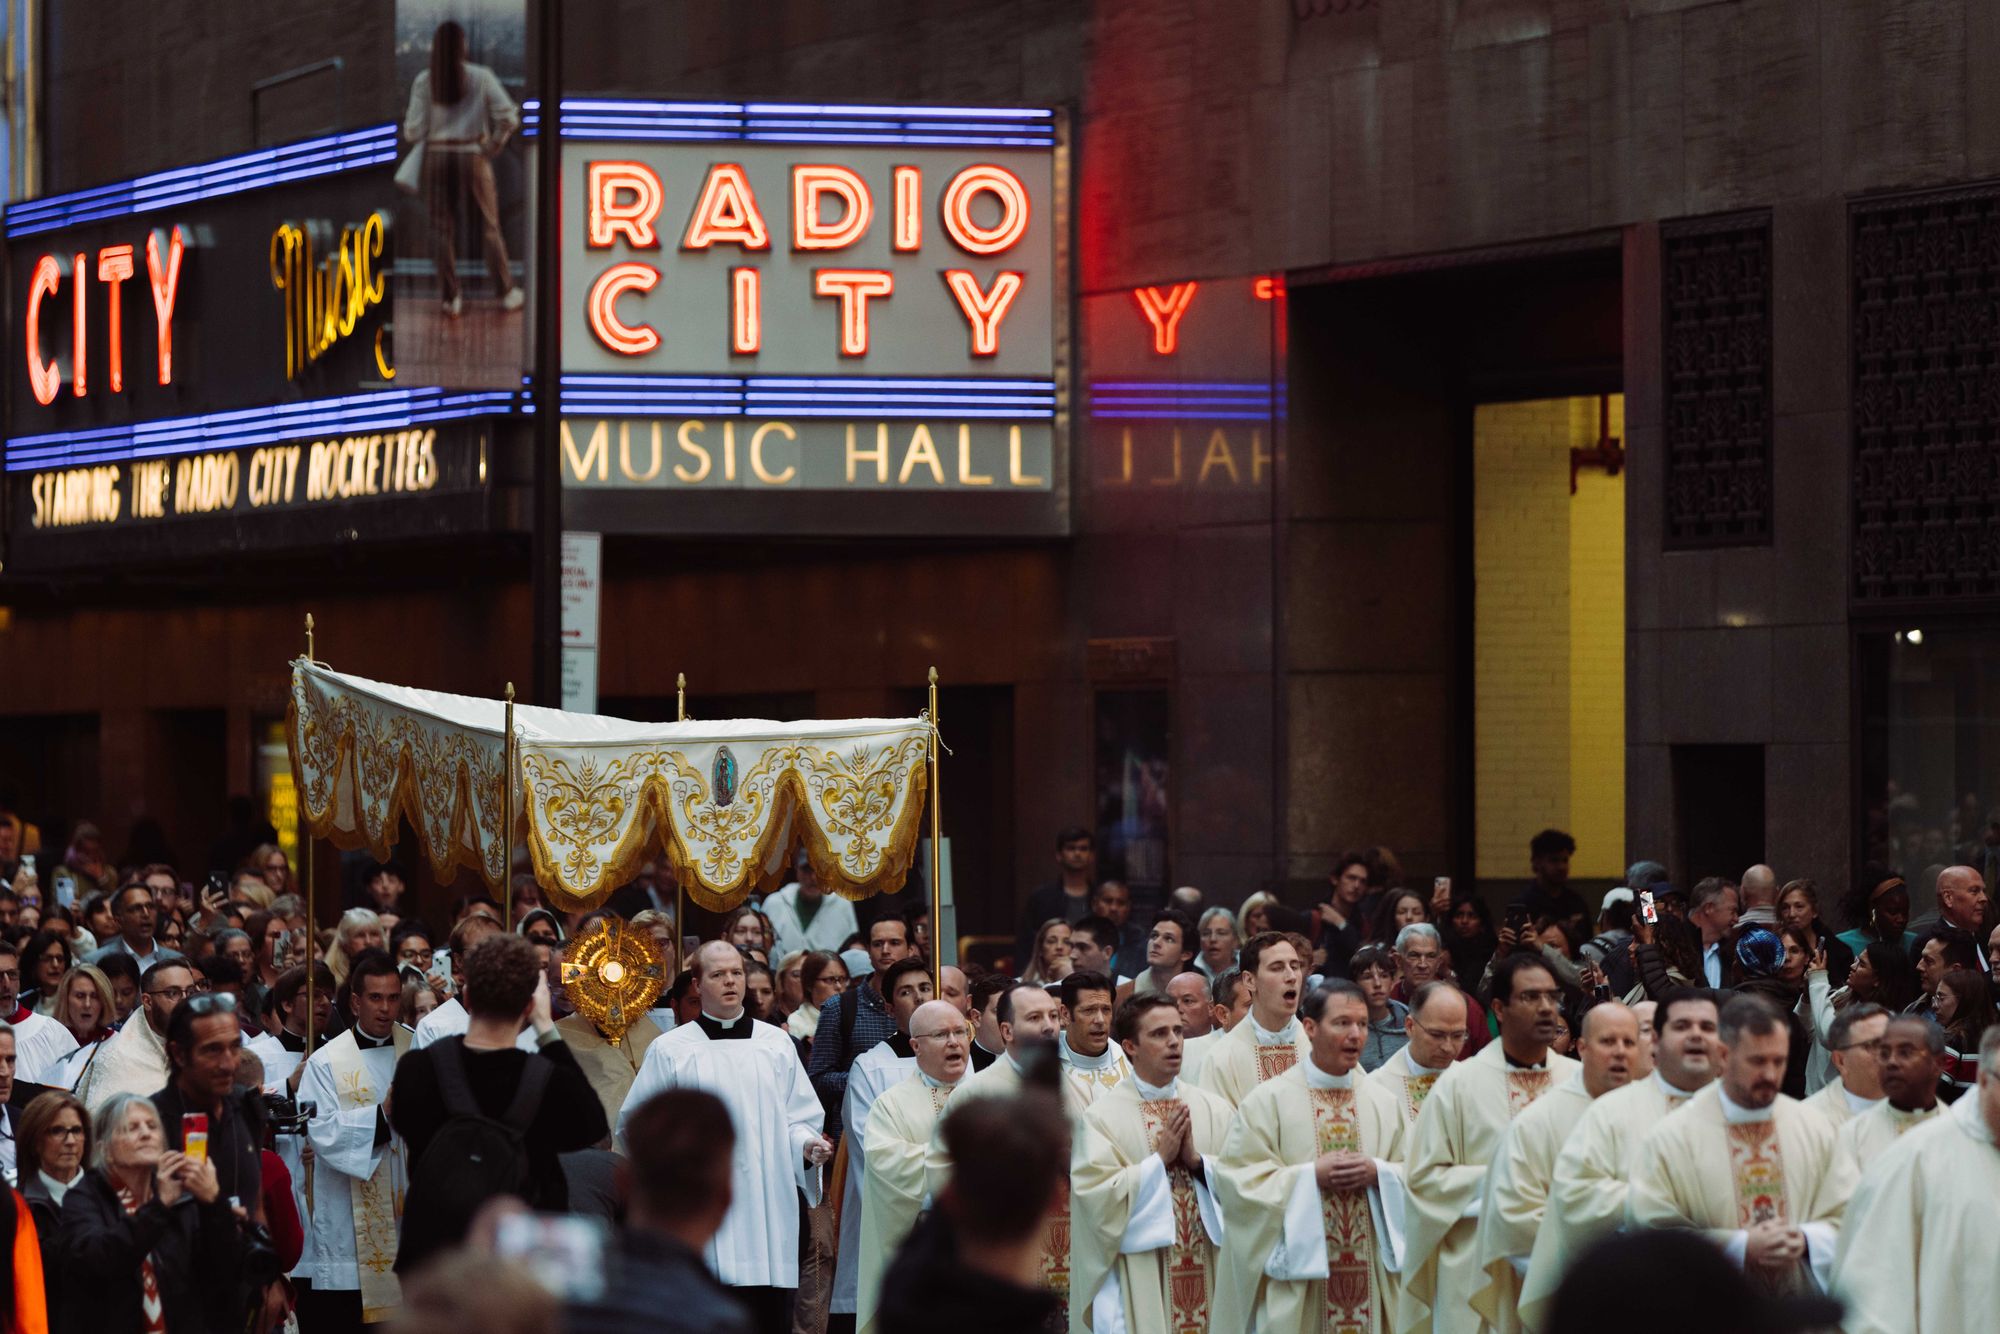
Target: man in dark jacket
<point>679,1146</point>
<point>1067,895</point>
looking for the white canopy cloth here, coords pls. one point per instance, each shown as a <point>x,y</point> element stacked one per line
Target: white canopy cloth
<point>725,802</point>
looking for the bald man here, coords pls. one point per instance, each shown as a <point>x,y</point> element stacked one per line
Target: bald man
<point>1517,1184</point>
<point>1961,893</point>
<point>956,991</point>
<point>1757,892</point>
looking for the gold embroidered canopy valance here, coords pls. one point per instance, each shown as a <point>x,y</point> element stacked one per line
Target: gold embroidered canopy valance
<point>724,802</point>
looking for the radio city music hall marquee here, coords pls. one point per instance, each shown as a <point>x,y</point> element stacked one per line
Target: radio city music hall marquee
<point>837,316</point>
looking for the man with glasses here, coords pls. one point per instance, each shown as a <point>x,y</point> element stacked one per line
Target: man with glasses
<point>889,1062</point>
<point>137,914</point>
<point>902,1170</point>
<point>134,1060</point>
<point>40,1043</point>
<point>1854,1041</point>
<point>1421,958</point>
<point>1910,1055</point>
<point>1459,1130</point>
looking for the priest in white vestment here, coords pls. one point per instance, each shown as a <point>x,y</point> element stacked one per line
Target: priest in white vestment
<point>903,1167</point>
<point>1911,1057</point>
<point>1746,1164</point>
<point>1270,1040</point>
<point>1436,1027</point>
<point>1029,1020</point>
<point>1300,1182</point>
<point>907,984</point>
<point>1852,1039</point>
<point>134,1059</point>
<point>1516,1202</point>
<point>1456,1135</point>
<point>754,1068</point>
<point>41,1045</point>
<point>1144,1222</point>
<point>1917,1243</point>
<point>1587,1188</point>
<point>1092,1063</point>
<point>360,1171</point>
<point>1208,1015</point>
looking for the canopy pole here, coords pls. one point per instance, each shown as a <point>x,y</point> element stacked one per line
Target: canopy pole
<point>680,894</point>
<point>507,830</point>
<point>937,854</point>
<point>312,907</point>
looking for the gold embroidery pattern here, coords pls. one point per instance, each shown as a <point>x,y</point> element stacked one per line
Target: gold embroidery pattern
<point>1274,1061</point>
<point>1350,1236</point>
<point>1415,1089</point>
<point>1055,1245</point>
<point>1190,1279</point>
<point>1758,1170</point>
<point>1523,1087</point>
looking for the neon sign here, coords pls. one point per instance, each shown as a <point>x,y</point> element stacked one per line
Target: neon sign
<point>165,250</point>
<point>328,293</point>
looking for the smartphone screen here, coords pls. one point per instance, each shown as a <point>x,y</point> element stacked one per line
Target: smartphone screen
<point>564,1254</point>
<point>194,1135</point>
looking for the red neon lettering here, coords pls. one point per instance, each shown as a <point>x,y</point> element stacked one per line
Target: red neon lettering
<point>114,266</point>
<point>909,208</point>
<point>746,311</point>
<point>959,223</point>
<point>44,377</point>
<point>810,184</point>
<point>611,215</point>
<point>79,334</point>
<point>984,310</point>
<point>853,287</point>
<point>165,274</point>
<point>1268,289</point>
<point>1163,311</point>
<point>631,340</point>
<point>726,213</point>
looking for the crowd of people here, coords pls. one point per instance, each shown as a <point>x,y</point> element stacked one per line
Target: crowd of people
<point>1384,1112</point>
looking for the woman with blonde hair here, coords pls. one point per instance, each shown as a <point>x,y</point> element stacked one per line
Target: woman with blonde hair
<point>1254,917</point>
<point>359,929</point>
<point>86,1006</point>
<point>1049,961</point>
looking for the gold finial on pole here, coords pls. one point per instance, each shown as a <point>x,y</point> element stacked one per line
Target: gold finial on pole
<point>680,697</point>
<point>937,853</point>
<point>507,830</point>
<point>309,636</point>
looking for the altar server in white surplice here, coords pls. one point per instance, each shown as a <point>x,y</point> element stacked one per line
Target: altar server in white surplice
<point>1144,1224</point>
<point>1916,1246</point>
<point>1305,1243</point>
<point>1517,1185</point>
<point>1746,1164</point>
<point>754,1068</point>
<point>1457,1133</point>
<point>1587,1193</point>
<point>1269,1041</point>
<point>359,1173</point>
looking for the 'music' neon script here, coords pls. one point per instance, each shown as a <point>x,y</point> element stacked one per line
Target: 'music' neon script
<point>327,294</point>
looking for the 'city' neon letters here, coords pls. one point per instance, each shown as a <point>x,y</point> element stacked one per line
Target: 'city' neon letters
<point>115,264</point>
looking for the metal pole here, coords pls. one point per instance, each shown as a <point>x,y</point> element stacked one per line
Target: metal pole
<point>937,855</point>
<point>312,910</point>
<point>545,527</point>
<point>680,894</point>
<point>508,770</point>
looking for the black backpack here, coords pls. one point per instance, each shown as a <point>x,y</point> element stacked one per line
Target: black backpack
<point>473,1157</point>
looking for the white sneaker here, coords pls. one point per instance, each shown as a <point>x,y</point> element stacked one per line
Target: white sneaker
<point>514,300</point>
<point>455,307</point>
